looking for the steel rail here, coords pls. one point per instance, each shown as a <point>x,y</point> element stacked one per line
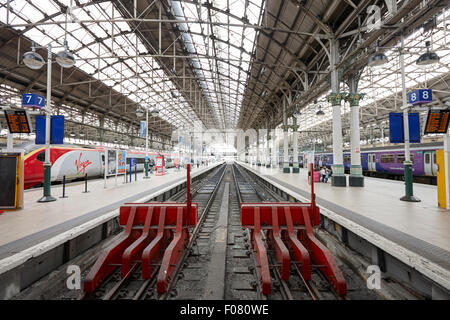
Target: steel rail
<point>285,287</point>
<point>194,233</point>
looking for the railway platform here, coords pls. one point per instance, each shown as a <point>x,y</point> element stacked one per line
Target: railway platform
<point>417,234</point>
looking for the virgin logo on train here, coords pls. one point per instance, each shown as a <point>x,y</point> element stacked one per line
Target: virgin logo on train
<point>81,165</point>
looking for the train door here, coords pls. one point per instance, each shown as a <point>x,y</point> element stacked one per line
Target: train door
<point>429,163</point>
<point>102,155</point>
<point>371,162</point>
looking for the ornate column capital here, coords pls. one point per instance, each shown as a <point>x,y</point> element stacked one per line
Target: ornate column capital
<point>335,98</point>
<point>354,98</point>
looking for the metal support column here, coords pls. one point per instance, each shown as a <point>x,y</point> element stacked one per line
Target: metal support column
<point>285,126</point>
<point>335,98</point>
<point>276,148</point>
<point>268,160</point>
<point>47,197</point>
<point>356,178</point>
<point>258,151</point>
<point>146,144</point>
<point>409,193</point>
<point>295,167</point>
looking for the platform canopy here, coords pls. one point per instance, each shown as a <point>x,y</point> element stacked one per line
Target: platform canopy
<point>224,63</point>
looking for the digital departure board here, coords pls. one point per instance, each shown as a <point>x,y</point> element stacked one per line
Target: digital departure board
<point>437,121</point>
<point>18,121</point>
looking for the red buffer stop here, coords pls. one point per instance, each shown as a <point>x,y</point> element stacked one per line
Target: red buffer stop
<point>288,228</point>
<point>155,236</point>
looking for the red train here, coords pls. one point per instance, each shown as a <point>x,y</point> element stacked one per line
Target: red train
<point>74,162</point>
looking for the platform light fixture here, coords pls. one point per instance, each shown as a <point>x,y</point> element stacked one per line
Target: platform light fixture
<point>297,112</point>
<point>65,58</point>
<point>139,112</point>
<point>427,58</point>
<point>378,58</point>
<point>319,112</point>
<point>154,110</point>
<point>34,61</point>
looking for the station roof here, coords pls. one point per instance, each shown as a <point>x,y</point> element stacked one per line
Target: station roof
<point>226,63</point>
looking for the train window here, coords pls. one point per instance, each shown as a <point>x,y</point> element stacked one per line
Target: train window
<point>434,159</point>
<point>401,158</point>
<point>41,156</point>
<point>387,158</point>
<point>326,159</point>
<point>427,158</point>
<point>347,158</point>
<point>103,157</point>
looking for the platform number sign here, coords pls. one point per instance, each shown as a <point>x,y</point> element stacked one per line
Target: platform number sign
<point>32,100</point>
<point>420,96</point>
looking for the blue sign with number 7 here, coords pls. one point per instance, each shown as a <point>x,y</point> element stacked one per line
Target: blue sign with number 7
<point>32,100</point>
<point>420,96</point>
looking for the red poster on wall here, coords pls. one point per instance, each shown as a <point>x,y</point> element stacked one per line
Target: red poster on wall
<point>159,166</point>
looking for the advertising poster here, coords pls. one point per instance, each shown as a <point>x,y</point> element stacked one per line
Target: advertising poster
<point>143,129</point>
<point>159,166</point>
<point>111,162</point>
<point>122,162</point>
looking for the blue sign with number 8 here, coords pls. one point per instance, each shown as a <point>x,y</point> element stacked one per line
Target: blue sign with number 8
<point>420,96</point>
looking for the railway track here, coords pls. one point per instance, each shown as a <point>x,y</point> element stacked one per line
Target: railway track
<point>190,278</point>
<point>132,286</point>
<point>296,288</point>
<point>219,196</point>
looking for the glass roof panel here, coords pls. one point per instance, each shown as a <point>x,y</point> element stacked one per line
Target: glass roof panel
<point>220,44</point>
<point>385,82</point>
<point>87,50</point>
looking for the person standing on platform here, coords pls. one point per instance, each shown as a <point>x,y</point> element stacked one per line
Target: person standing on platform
<point>151,164</point>
<point>327,175</point>
<point>323,173</point>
